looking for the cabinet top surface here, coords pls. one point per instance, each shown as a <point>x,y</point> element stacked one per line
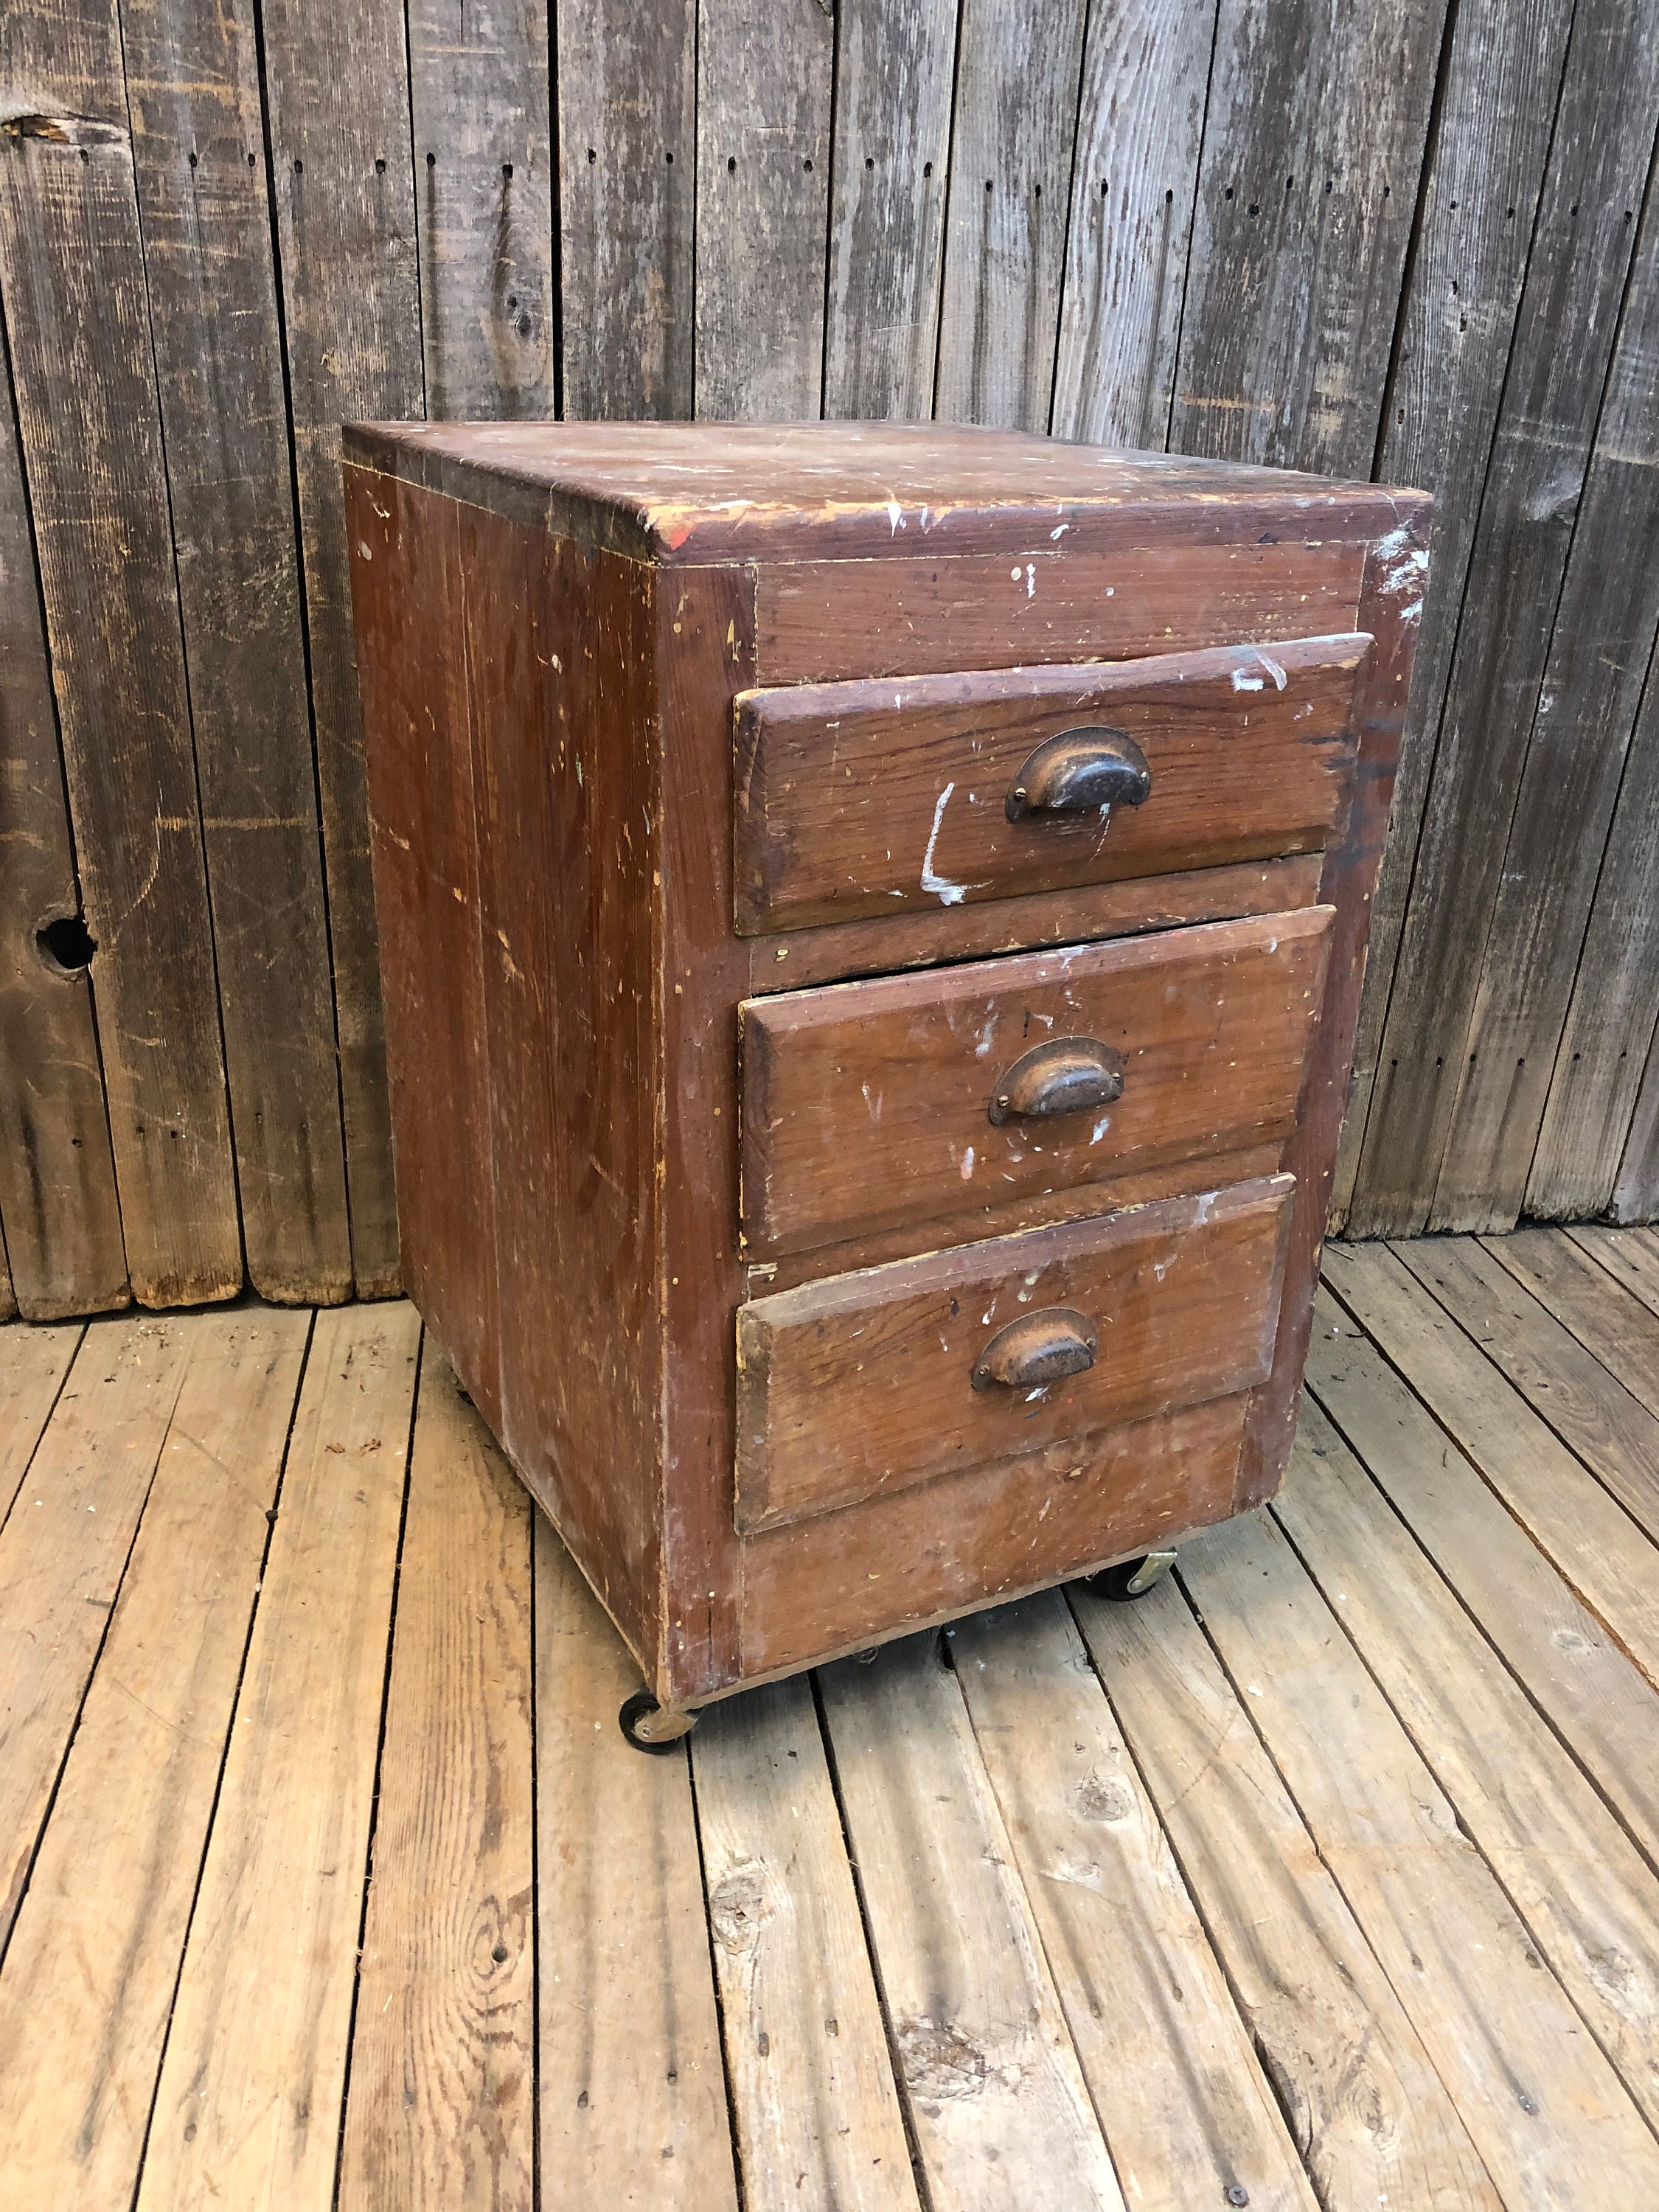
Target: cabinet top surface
<point>706,490</point>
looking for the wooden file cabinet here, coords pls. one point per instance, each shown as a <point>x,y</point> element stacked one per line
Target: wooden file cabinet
<point>872,919</point>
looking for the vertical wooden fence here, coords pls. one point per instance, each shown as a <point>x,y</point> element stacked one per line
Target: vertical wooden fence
<point>1415,240</point>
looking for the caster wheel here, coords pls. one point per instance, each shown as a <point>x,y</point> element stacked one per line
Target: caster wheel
<point>1132,1578</point>
<point>651,1726</point>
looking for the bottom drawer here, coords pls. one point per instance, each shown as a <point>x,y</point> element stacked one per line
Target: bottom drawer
<point>818,1589</point>
<point>868,1384</point>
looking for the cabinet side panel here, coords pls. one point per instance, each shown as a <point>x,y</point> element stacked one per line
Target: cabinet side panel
<point>408,599</point>
<point>557,645</point>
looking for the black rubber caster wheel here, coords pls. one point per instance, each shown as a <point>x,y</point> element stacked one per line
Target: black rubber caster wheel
<point>649,1728</point>
<point>1131,1578</point>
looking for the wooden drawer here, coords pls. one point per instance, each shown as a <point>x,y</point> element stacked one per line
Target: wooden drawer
<point>871,1103</point>
<point>871,1383</point>
<point>862,798</point>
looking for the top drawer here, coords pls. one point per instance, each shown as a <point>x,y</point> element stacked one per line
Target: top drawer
<point>863,798</point>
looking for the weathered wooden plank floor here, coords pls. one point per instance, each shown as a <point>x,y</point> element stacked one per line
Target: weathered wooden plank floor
<point>1325,1877</point>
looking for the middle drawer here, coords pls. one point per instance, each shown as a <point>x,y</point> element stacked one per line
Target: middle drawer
<point>909,1097</point>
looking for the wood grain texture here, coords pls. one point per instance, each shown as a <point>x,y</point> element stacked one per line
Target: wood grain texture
<point>1598,1148</point>
<point>1390,608</point>
<point>1569,787</point>
<point>1500,80</point>
<point>1250,752</point>
<point>479,90</point>
<point>631,2085</point>
<point>894,84</point>
<point>1635,1194</point>
<point>818,2117</point>
<point>997,2102</point>
<point>441,2109</point>
<point>63,1253</point>
<point>811,1591</point>
<point>1313,142</point>
<point>1619,1328</point>
<point>1581,1885</point>
<point>1140,122</point>
<point>1532,493</point>
<point>566,798</point>
<point>1362,2099</point>
<point>337,116</point>
<point>832,621</point>
<point>417,732</point>
<point>87,1991</point>
<point>492,1026</point>
<point>869,1103</point>
<point>34,1363</point>
<point>1495,1508</point>
<point>1492,2016</point>
<point>707,620</point>
<point>248,2106</point>
<point>71,258</point>
<point>1013,141</point>
<point>63,1552</point>
<point>626,109</point>
<point>1195,1178</point>
<point>1594,1416</point>
<point>1187,2111</point>
<point>1630,1256</point>
<point>790,959</point>
<point>764,81</point>
<point>861,1385</point>
<point>203,196</point>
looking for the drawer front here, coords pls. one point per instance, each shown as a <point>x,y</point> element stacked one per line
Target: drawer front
<point>864,798</point>
<point>871,1383</point>
<point>873,1103</point>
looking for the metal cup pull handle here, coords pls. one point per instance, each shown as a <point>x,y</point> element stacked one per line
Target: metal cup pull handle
<point>1067,1075</point>
<point>1039,1347</point>
<point>1087,770</point>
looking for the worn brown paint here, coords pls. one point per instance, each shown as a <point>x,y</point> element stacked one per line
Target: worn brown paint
<point>556,625</point>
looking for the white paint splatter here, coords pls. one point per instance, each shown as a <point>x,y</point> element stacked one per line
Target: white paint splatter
<point>1244,683</point>
<point>874,1104</point>
<point>949,894</point>
<point>1272,667</point>
<point>895,516</point>
<point>1406,569</point>
<point>1101,1128</point>
<point>967,1165</point>
<point>1061,531</point>
<point>1031,580</point>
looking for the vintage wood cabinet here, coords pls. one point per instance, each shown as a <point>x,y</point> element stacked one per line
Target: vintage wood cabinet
<point>871,918</point>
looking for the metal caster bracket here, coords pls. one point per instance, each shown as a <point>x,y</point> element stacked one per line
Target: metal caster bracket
<point>651,1726</point>
<point>1132,1578</point>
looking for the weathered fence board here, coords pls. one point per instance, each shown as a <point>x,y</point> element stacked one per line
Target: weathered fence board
<point>1011,152</point>
<point>892,154</point>
<point>765,78</point>
<point>1569,311</point>
<point>628,141</point>
<point>199,155</point>
<point>1605,625</point>
<point>484,175</point>
<point>59,1214</point>
<point>72,263</point>
<point>1405,242</point>
<point>338,118</point>
<point>1500,86</point>
<point>1312,150</point>
<point>1146,70</point>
